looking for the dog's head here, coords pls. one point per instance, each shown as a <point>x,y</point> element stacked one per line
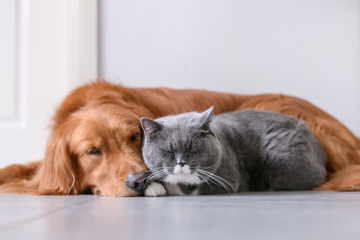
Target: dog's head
<point>95,149</point>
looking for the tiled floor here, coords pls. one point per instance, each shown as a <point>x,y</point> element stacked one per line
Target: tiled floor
<point>276,215</point>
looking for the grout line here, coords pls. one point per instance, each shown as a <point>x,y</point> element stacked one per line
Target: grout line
<point>4,229</point>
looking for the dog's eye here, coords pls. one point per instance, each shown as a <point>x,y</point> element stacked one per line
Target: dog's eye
<point>134,137</point>
<point>94,150</point>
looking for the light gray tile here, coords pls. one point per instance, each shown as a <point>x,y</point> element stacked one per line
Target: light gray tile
<point>274,215</point>
<point>17,210</point>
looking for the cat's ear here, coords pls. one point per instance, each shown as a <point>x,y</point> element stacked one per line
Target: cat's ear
<point>206,118</point>
<point>150,126</point>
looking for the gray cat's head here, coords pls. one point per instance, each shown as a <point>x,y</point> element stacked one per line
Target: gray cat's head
<point>180,148</point>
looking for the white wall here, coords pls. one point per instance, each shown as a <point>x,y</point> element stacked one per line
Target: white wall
<point>310,48</point>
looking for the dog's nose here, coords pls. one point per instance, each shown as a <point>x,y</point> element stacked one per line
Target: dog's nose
<point>137,182</point>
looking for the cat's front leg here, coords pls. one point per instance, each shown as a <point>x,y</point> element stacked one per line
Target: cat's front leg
<point>155,189</point>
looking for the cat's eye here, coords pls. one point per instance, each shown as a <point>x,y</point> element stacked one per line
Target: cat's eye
<point>93,151</point>
<point>203,133</point>
<point>169,153</point>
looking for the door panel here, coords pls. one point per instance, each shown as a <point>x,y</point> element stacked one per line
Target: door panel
<point>7,60</point>
<point>35,72</point>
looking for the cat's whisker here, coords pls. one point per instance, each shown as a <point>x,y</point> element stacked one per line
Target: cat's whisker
<point>156,174</point>
<point>165,176</point>
<point>216,179</point>
<point>218,182</point>
<point>146,173</point>
<point>203,179</point>
<point>208,167</point>
<point>154,171</point>
<point>160,173</point>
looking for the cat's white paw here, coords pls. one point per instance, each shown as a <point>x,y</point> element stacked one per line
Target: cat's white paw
<point>155,190</point>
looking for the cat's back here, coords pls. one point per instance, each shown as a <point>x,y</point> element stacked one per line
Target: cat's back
<point>260,122</point>
<point>265,132</point>
<point>278,151</point>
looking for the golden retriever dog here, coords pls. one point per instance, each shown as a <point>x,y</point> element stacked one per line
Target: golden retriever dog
<point>95,139</point>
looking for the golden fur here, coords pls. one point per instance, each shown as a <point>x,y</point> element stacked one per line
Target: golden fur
<point>95,138</point>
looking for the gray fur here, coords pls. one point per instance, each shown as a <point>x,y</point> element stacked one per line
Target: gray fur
<point>233,152</point>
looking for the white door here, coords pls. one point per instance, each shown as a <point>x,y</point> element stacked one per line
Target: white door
<point>42,56</point>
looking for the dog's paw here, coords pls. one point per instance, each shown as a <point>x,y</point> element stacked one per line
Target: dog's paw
<point>155,190</point>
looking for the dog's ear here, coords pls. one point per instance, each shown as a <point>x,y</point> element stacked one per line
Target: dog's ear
<point>57,174</point>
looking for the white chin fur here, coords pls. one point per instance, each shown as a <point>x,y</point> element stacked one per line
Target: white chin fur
<point>179,169</point>
<point>183,175</point>
<point>183,178</point>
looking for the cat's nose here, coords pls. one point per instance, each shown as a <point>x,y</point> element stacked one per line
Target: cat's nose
<point>137,182</point>
<point>181,163</point>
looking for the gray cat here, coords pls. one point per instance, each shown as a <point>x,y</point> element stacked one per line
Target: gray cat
<point>198,153</point>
